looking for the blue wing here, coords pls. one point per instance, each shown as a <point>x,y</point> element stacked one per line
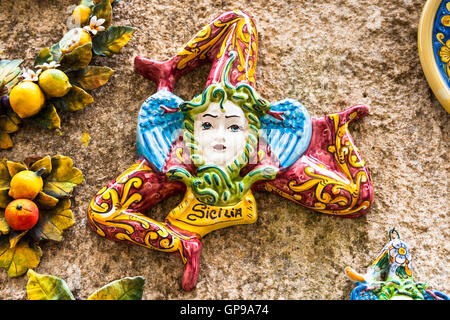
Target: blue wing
<point>290,135</point>
<point>159,124</point>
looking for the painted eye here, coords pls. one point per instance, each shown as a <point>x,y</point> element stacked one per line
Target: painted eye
<point>206,125</point>
<point>234,128</point>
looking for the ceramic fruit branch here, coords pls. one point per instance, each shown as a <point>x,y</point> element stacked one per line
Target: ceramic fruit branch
<point>47,287</point>
<point>62,75</point>
<point>34,206</point>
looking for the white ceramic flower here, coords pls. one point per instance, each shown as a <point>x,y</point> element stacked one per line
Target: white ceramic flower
<point>400,252</point>
<point>95,25</point>
<point>30,75</point>
<point>51,65</point>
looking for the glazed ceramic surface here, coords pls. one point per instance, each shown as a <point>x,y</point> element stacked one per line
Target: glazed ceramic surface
<point>223,146</point>
<point>390,276</point>
<point>434,48</point>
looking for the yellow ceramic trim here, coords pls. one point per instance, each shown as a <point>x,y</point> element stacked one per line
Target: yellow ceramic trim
<point>425,46</point>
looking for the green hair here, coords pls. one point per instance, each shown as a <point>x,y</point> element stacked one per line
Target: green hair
<point>243,96</point>
<point>216,186</point>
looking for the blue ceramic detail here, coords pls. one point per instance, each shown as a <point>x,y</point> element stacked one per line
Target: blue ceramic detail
<point>159,123</point>
<point>290,137</point>
<point>364,292</point>
<point>439,28</point>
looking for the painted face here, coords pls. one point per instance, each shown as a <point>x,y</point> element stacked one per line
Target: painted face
<point>221,136</point>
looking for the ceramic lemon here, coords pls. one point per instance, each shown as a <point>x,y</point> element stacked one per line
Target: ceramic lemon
<point>26,184</point>
<point>73,39</point>
<point>54,83</point>
<point>81,14</point>
<point>26,99</point>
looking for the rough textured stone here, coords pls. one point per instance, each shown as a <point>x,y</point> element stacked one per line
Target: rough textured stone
<point>328,55</point>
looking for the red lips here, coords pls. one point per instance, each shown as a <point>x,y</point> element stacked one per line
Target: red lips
<point>219,147</point>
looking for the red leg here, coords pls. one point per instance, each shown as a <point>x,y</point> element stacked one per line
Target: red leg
<point>232,31</point>
<point>330,177</point>
<point>117,213</point>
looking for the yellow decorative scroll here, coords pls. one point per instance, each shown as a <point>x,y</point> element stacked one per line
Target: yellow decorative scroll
<point>113,213</point>
<point>345,155</point>
<point>236,39</point>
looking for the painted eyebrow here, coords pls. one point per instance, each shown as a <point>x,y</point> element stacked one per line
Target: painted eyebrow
<point>210,115</point>
<point>233,116</point>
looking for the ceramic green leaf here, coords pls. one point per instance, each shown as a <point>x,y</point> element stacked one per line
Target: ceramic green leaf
<point>56,53</point>
<point>45,56</point>
<point>4,174</point>
<point>47,118</point>
<point>46,287</point>
<point>4,227</point>
<point>63,178</point>
<point>45,201</point>
<point>19,259</point>
<point>9,70</point>
<point>103,10</point>
<point>78,59</point>
<point>94,77</point>
<point>10,121</point>
<point>123,289</point>
<point>87,3</point>
<point>75,100</point>
<point>112,40</point>
<point>4,197</point>
<point>15,167</point>
<point>15,236</point>
<point>45,162</point>
<point>4,184</point>
<point>5,140</point>
<point>53,222</point>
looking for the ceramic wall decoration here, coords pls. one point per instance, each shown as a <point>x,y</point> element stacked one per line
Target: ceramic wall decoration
<point>221,147</point>
<point>34,206</point>
<point>390,277</point>
<point>434,48</point>
<point>63,75</point>
<point>48,287</point>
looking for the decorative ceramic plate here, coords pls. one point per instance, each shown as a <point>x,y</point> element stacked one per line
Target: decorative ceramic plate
<point>434,48</point>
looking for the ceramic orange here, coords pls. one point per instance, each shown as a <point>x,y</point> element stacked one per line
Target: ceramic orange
<point>22,214</point>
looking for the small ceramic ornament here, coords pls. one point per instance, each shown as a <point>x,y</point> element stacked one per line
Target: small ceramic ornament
<point>221,147</point>
<point>390,277</point>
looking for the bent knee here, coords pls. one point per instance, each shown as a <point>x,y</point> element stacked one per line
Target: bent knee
<point>236,14</point>
<point>98,213</point>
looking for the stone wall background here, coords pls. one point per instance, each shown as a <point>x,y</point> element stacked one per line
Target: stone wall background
<point>329,55</point>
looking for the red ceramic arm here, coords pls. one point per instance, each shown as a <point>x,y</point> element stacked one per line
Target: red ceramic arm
<point>330,177</point>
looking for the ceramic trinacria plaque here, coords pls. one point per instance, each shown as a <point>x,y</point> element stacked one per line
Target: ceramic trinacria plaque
<point>221,147</point>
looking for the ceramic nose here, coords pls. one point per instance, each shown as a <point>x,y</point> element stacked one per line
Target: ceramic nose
<point>220,134</point>
<point>221,138</point>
